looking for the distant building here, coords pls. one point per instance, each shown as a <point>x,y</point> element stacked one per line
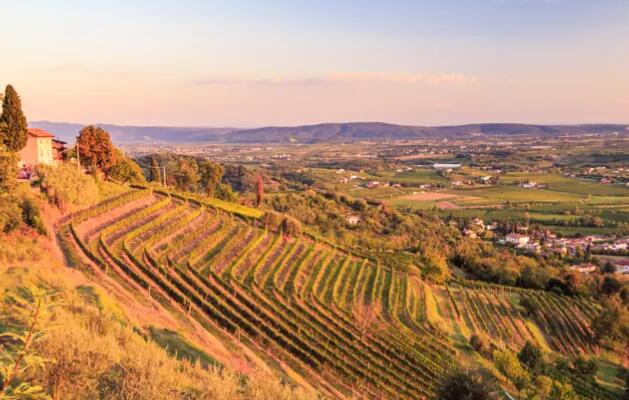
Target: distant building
<point>353,219</point>
<point>446,166</point>
<point>517,239</point>
<point>533,248</point>
<point>469,233</point>
<point>58,150</point>
<point>479,223</point>
<point>622,268</point>
<point>39,149</point>
<point>585,268</point>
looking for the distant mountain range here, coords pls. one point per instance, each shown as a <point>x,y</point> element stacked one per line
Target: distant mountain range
<point>320,133</point>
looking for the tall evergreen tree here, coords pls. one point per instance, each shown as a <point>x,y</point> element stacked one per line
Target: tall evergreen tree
<point>12,121</point>
<point>259,189</point>
<point>155,174</point>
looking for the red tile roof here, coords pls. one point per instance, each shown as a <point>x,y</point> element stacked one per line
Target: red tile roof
<point>35,132</point>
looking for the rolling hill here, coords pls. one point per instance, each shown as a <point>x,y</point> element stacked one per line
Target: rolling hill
<point>321,133</point>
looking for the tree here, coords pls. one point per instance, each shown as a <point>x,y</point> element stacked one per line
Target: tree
<point>531,356</point>
<point>531,306</point>
<point>366,316</point>
<point>96,150</point>
<point>185,174</point>
<point>211,174</point>
<point>562,391</point>
<point>479,343</point>
<point>435,267</point>
<point>611,326</point>
<point>509,365</point>
<point>155,173</point>
<point>14,131</point>
<point>466,385</point>
<point>8,170</point>
<point>608,268</point>
<point>225,192</point>
<point>126,170</point>
<point>259,189</point>
<point>586,367</point>
<point>610,285</point>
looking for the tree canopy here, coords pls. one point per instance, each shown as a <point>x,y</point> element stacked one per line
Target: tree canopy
<point>96,150</point>
<point>126,170</point>
<point>13,125</point>
<point>466,385</point>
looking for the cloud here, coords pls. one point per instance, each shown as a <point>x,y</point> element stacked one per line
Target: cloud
<point>346,78</point>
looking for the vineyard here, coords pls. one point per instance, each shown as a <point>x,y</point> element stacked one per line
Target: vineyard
<point>351,326</point>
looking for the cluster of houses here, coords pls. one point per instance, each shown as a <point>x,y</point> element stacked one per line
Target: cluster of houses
<point>548,243</point>
<point>533,185</point>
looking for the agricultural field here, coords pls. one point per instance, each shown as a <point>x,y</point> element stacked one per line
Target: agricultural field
<point>349,325</point>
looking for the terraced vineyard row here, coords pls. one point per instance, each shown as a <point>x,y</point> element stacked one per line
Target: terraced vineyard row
<point>496,311</point>
<point>289,296</point>
<point>293,299</point>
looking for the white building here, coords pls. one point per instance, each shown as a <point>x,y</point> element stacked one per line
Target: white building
<point>517,240</point>
<point>446,166</point>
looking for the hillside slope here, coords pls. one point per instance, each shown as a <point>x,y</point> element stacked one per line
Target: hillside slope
<point>317,314</point>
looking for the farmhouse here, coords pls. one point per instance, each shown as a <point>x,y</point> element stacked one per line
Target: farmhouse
<point>517,239</point>
<point>41,148</point>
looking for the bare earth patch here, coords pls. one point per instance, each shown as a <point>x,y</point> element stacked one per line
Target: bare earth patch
<point>447,205</point>
<point>428,196</point>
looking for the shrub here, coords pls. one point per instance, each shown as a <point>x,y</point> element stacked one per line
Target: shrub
<point>531,356</point>
<point>509,365</point>
<point>586,367</point>
<point>66,187</point>
<point>466,385</point>
<point>277,222</point>
<point>479,343</point>
<point>32,216</point>
<point>126,170</point>
<point>8,170</point>
<point>10,214</point>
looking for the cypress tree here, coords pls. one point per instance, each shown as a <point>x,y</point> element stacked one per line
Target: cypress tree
<point>14,127</point>
<point>155,175</point>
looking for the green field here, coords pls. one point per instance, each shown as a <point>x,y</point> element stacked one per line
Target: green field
<point>565,184</point>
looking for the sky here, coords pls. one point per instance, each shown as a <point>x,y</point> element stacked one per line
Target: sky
<point>240,63</point>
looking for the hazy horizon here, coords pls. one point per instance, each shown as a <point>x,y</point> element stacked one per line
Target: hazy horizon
<point>246,64</point>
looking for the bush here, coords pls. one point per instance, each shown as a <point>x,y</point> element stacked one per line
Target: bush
<point>466,385</point>
<point>531,356</point>
<point>32,216</point>
<point>8,170</point>
<point>479,343</point>
<point>66,187</point>
<point>10,214</point>
<point>586,367</point>
<point>277,222</point>
<point>126,170</point>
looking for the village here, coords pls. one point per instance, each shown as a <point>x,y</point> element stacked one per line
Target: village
<point>546,244</point>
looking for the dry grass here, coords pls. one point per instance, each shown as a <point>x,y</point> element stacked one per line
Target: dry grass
<point>92,352</point>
